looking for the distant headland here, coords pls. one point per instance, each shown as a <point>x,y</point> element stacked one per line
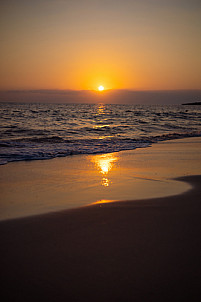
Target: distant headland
<point>193,103</point>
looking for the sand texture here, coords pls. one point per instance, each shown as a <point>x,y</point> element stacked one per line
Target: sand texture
<point>128,251</point>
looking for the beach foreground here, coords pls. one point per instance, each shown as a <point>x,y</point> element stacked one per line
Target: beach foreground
<point>30,188</point>
<point>127,251</point>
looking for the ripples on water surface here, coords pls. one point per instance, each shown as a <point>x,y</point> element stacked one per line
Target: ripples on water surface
<point>43,131</point>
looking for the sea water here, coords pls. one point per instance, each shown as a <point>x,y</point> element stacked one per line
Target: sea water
<point>45,131</point>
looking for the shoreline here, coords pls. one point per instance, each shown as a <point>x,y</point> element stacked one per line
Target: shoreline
<point>131,250</point>
<point>172,137</point>
<point>34,188</point>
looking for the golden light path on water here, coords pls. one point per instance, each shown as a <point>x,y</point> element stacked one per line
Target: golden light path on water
<point>104,162</point>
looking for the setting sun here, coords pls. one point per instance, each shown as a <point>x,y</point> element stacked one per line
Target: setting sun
<point>101,88</point>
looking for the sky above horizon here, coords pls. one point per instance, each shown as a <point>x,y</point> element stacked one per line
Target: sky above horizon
<point>81,44</point>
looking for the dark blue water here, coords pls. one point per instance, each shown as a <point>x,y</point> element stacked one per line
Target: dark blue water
<point>44,131</point>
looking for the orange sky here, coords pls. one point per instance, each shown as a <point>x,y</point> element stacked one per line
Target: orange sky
<point>82,44</point>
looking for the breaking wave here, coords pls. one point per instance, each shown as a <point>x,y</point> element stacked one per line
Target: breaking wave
<point>45,131</point>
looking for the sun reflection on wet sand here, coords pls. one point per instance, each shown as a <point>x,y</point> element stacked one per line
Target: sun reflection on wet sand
<point>104,163</point>
<point>103,201</point>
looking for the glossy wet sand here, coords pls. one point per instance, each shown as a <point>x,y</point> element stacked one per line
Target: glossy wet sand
<point>36,187</point>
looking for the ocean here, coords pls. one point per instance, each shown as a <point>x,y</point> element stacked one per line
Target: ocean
<point>45,131</point>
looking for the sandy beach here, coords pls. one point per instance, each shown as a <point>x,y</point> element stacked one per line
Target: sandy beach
<point>140,250</point>
<point>37,187</point>
<point>130,251</point>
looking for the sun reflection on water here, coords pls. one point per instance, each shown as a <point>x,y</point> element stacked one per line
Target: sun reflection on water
<point>104,164</point>
<point>101,109</point>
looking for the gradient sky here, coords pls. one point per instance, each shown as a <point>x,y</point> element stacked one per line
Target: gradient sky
<point>81,44</point>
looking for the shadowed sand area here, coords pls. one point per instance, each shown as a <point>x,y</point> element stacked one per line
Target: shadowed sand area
<point>131,251</point>
<point>142,250</point>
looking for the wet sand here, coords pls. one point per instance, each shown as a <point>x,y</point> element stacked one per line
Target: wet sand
<point>37,187</point>
<point>124,251</point>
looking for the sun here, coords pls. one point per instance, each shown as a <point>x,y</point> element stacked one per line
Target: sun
<point>101,88</point>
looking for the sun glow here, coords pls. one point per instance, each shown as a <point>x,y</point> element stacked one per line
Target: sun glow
<point>101,88</point>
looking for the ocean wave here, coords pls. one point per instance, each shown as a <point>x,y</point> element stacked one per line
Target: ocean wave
<point>52,147</point>
<point>44,131</point>
<point>51,139</point>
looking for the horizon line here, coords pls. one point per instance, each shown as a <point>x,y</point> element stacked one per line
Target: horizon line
<point>97,91</point>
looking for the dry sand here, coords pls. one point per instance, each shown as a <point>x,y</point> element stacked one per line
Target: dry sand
<point>129,251</point>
